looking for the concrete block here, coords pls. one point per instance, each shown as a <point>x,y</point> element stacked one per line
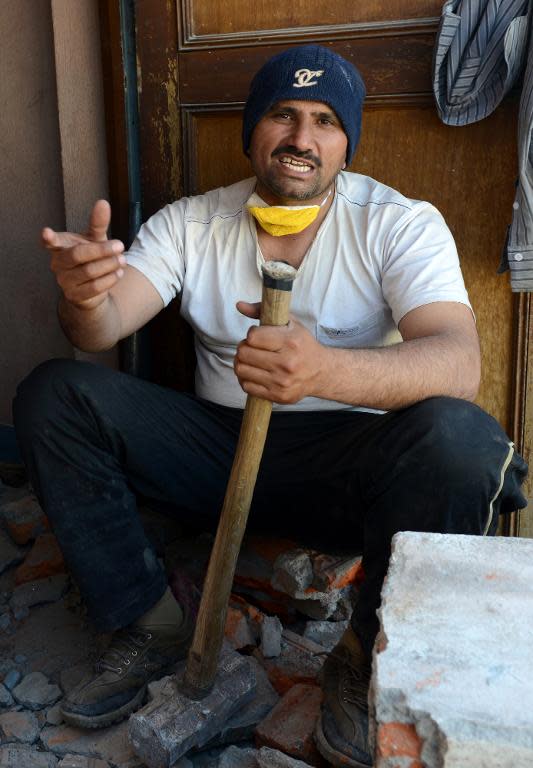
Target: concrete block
<point>325,633</point>
<point>292,572</point>
<point>44,559</point>
<point>450,684</point>
<point>47,590</point>
<point>19,726</point>
<point>290,726</point>
<point>170,726</point>
<point>23,518</point>
<point>271,629</point>
<point>36,692</point>
<point>300,661</point>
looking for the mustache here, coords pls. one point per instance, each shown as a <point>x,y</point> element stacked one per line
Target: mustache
<point>289,149</point>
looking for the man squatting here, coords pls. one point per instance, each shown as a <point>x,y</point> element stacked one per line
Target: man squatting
<point>373,429</point>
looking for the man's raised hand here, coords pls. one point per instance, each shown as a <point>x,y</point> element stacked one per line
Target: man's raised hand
<point>86,266</point>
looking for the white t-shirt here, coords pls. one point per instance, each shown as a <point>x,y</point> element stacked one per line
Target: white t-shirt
<point>376,256</point>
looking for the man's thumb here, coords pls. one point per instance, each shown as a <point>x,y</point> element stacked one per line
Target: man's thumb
<point>99,221</point>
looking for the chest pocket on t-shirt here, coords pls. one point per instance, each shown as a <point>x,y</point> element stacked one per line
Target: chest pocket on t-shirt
<point>365,331</point>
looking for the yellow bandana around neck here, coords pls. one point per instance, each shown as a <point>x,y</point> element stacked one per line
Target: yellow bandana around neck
<point>280,220</point>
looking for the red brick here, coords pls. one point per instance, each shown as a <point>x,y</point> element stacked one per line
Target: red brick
<point>24,519</point>
<point>290,725</point>
<point>333,572</point>
<point>399,740</point>
<point>44,559</point>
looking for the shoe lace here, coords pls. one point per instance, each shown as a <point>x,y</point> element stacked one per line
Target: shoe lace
<point>354,686</point>
<point>124,645</point>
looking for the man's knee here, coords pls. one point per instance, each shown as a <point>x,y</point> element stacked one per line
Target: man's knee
<point>44,395</point>
<point>459,435</point>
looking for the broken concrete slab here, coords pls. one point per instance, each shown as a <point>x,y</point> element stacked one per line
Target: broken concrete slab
<point>46,590</point>
<point>36,692</point>
<point>170,726</point>
<point>19,726</point>
<point>22,756</point>
<point>290,726</point>
<point>450,683</point>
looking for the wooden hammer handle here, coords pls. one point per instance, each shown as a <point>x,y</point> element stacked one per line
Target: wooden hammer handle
<point>209,632</point>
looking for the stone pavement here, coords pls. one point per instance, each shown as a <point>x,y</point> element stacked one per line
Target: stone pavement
<point>47,644</point>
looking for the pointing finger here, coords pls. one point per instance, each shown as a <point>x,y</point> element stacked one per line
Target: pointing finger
<point>58,240</point>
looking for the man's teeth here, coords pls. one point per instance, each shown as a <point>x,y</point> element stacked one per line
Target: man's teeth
<point>296,165</point>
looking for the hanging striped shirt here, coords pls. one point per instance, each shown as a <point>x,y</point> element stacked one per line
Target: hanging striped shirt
<point>480,52</point>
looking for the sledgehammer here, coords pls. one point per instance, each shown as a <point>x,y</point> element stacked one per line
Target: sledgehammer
<point>196,707</point>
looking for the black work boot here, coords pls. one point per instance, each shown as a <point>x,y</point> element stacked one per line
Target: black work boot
<point>138,654</point>
<point>341,733</point>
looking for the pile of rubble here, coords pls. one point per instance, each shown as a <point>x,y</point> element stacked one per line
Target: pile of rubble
<point>289,607</point>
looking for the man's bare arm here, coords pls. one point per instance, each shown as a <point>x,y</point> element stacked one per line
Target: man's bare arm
<point>129,305</point>
<point>438,356</point>
<point>103,300</point>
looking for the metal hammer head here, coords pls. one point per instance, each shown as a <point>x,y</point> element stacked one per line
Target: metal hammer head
<point>169,727</point>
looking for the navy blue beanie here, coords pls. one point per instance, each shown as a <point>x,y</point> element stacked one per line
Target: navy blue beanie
<point>310,73</point>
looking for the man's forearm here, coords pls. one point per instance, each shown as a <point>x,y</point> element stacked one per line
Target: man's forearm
<point>92,330</point>
<point>394,377</point>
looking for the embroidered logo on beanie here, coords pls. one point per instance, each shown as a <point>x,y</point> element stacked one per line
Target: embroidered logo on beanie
<point>305,77</point>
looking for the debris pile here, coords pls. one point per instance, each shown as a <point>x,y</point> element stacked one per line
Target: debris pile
<point>289,607</point>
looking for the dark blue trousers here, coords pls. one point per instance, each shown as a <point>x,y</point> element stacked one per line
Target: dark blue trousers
<point>93,440</point>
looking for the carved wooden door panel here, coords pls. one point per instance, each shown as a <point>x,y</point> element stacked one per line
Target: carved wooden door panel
<point>195,61</point>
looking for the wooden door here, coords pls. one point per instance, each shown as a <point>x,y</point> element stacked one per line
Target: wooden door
<point>196,59</point>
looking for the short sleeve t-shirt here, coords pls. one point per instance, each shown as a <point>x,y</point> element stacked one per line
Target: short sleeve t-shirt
<point>377,256</point>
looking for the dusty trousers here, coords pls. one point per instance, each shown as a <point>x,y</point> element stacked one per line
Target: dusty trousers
<point>95,440</point>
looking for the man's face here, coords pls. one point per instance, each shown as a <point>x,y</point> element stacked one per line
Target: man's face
<point>296,151</point>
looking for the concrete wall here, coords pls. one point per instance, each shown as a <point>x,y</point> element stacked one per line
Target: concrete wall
<point>52,166</point>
